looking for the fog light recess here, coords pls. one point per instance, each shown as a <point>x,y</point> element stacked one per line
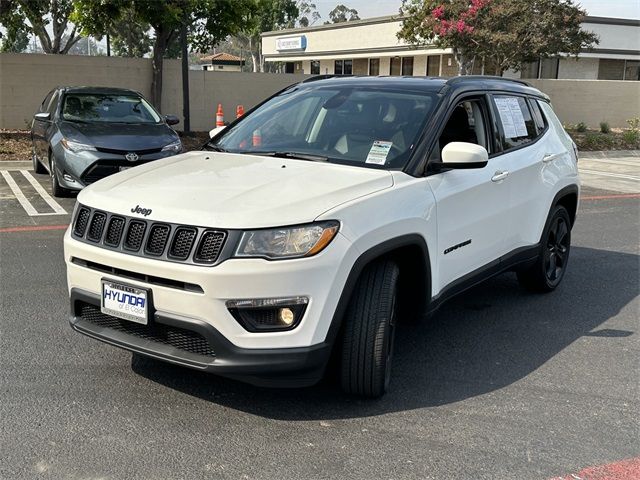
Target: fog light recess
<point>268,314</point>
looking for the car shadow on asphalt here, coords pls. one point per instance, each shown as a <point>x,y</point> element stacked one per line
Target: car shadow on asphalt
<point>486,339</point>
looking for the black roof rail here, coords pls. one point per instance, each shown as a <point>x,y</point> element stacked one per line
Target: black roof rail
<point>315,78</point>
<point>464,78</point>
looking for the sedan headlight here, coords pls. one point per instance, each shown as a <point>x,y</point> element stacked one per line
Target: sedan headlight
<point>175,147</point>
<point>287,242</point>
<point>77,147</point>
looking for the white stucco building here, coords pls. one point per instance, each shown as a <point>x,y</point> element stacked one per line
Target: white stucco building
<point>370,47</point>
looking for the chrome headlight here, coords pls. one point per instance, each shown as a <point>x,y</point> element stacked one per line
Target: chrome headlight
<point>175,147</point>
<point>287,242</point>
<point>77,147</point>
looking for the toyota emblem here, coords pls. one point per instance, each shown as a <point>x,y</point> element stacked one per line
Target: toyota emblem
<point>131,156</point>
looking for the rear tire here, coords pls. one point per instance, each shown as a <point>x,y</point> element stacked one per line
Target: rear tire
<point>37,166</point>
<point>369,331</point>
<point>550,266</point>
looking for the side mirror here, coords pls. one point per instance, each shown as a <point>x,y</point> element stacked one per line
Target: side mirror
<point>171,119</point>
<point>216,131</point>
<point>42,116</point>
<point>461,155</point>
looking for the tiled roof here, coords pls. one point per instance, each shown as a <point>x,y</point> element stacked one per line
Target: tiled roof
<point>221,57</point>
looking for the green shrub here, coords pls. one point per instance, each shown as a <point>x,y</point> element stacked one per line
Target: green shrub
<point>634,123</point>
<point>581,127</point>
<point>604,127</point>
<point>631,137</point>
<point>597,141</point>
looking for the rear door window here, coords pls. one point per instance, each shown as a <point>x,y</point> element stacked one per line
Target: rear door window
<point>515,119</point>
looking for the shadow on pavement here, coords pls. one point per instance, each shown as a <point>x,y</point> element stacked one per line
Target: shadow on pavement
<point>484,340</point>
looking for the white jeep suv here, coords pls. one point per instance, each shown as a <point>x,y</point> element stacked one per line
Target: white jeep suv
<point>309,226</point>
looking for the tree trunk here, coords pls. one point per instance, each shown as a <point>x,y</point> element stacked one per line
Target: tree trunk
<point>464,61</point>
<point>159,48</point>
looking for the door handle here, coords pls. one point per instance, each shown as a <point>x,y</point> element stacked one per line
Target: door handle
<point>550,157</point>
<point>498,176</point>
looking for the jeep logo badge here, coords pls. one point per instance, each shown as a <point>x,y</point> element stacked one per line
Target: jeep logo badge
<point>131,156</point>
<point>141,211</point>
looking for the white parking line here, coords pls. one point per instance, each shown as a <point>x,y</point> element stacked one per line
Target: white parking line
<point>24,202</point>
<point>610,174</point>
<point>44,194</point>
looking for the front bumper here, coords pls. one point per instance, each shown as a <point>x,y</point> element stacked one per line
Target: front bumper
<point>197,344</point>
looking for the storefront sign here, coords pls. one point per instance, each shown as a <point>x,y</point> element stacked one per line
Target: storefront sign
<point>291,43</point>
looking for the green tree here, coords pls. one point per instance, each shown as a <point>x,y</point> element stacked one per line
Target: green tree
<point>343,13</point>
<point>129,37</point>
<point>47,19</point>
<point>504,33</point>
<point>209,21</point>
<point>15,40</point>
<point>307,14</point>
<point>264,16</point>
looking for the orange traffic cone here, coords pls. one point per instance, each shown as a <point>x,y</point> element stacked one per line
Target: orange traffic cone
<point>239,111</point>
<point>219,116</point>
<point>257,138</point>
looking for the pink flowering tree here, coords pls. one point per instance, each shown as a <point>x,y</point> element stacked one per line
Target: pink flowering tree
<point>503,34</point>
<point>451,24</point>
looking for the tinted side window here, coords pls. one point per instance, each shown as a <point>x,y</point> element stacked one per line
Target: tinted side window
<point>538,116</point>
<point>516,120</point>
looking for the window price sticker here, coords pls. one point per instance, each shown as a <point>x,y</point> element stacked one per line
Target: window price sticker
<point>378,153</point>
<point>511,117</point>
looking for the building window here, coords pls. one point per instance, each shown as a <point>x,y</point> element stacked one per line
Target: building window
<point>315,67</point>
<point>407,66</point>
<point>343,67</point>
<point>544,68</point>
<point>395,66</point>
<point>374,66</point>
<point>549,68</point>
<point>632,70</point>
<point>611,69</point>
<point>433,65</point>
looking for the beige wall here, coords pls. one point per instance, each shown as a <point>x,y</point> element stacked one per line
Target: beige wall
<point>25,79</point>
<point>592,101</point>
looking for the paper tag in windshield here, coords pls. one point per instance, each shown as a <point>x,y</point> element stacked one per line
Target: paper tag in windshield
<point>378,153</point>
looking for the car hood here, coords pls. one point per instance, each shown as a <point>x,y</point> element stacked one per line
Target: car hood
<point>233,191</point>
<point>119,136</point>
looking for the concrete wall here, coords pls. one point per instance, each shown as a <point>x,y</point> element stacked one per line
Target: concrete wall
<point>25,79</point>
<point>592,101</point>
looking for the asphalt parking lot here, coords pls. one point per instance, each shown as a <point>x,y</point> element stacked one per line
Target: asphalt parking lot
<point>500,384</point>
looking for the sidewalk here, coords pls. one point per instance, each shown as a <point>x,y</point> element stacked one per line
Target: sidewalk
<point>616,170</point>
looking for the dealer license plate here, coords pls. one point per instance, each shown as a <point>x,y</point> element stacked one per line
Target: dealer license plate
<point>124,301</point>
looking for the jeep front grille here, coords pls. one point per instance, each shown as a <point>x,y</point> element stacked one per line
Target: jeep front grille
<point>146,238</point>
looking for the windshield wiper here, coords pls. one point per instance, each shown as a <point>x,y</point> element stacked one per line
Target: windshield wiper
<point>214,147</point>
<point>295,155</point>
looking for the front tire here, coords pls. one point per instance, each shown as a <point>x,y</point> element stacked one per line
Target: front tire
<point>37,166</point>
<point>56,189</point>
<point>550,266</point>
<point>369,331</point>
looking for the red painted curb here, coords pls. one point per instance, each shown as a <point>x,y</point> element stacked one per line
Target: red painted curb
<point>623,470</point>
<point>33,228</point>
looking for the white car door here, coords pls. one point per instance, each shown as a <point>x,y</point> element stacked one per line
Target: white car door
<point>532,154</point>
<point>472,205</point>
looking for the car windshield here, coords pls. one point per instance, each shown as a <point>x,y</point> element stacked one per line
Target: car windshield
<point>355,126</point>
<point>107,108</point>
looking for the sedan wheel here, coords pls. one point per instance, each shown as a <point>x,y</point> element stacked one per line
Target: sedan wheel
<point>56,189</point>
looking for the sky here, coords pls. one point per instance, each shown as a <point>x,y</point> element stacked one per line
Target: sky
<point>377,8</point>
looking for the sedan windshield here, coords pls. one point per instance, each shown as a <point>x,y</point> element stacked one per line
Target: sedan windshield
<point>355,126</point>
<point>107,108</point>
